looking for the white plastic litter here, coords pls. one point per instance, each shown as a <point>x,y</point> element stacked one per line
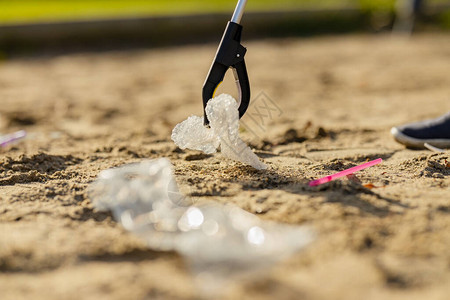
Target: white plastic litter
<point>220,242</point>
<point>223,115</point>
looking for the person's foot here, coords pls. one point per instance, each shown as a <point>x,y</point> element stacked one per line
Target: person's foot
<point>435,132</point>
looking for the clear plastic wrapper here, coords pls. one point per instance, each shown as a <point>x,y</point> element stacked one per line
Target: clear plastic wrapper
<point>223,115</point>
<point>220,241</point>
<point>192,134</point>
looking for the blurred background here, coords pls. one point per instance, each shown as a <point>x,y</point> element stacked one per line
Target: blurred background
<point>30,26</point>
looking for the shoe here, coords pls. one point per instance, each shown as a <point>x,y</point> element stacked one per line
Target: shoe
<point>435,132</point>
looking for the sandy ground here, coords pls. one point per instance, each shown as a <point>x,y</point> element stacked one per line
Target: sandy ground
<point>331,100</point>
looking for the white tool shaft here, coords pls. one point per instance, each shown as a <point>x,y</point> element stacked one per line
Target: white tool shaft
<point>239,11</point>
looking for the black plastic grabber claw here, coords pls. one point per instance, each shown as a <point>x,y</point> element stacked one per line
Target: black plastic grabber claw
<point>230,54</point>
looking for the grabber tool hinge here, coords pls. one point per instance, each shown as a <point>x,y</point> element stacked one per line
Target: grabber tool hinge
<point>230,54</point>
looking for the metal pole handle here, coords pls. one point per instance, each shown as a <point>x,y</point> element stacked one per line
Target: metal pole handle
<point>239,11</point>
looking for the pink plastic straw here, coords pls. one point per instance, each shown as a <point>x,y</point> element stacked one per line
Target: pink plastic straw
<point>7,139</point>
<point>345,172</point>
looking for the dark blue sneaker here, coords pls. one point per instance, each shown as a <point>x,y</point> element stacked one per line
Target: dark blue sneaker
<point>435,132</point>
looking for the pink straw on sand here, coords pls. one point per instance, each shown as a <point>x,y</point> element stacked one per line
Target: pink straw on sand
<point>345,172</point>
<point>12,137</point>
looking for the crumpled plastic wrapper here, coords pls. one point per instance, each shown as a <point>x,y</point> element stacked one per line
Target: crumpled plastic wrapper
<point>221,243</point>
<point>223,116</point>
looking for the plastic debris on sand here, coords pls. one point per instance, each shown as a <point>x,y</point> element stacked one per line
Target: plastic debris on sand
<point>221,243</point>
<point>223,115</point>
<point>11,138</point>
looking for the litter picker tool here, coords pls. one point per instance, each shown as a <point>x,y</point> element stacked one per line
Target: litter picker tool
<point>230,54</point>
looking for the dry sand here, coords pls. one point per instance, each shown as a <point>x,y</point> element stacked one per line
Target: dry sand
<point>333,101</point>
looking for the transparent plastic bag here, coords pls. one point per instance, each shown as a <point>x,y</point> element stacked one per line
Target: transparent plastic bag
<point>220,241</point>
<point>223,115</point>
